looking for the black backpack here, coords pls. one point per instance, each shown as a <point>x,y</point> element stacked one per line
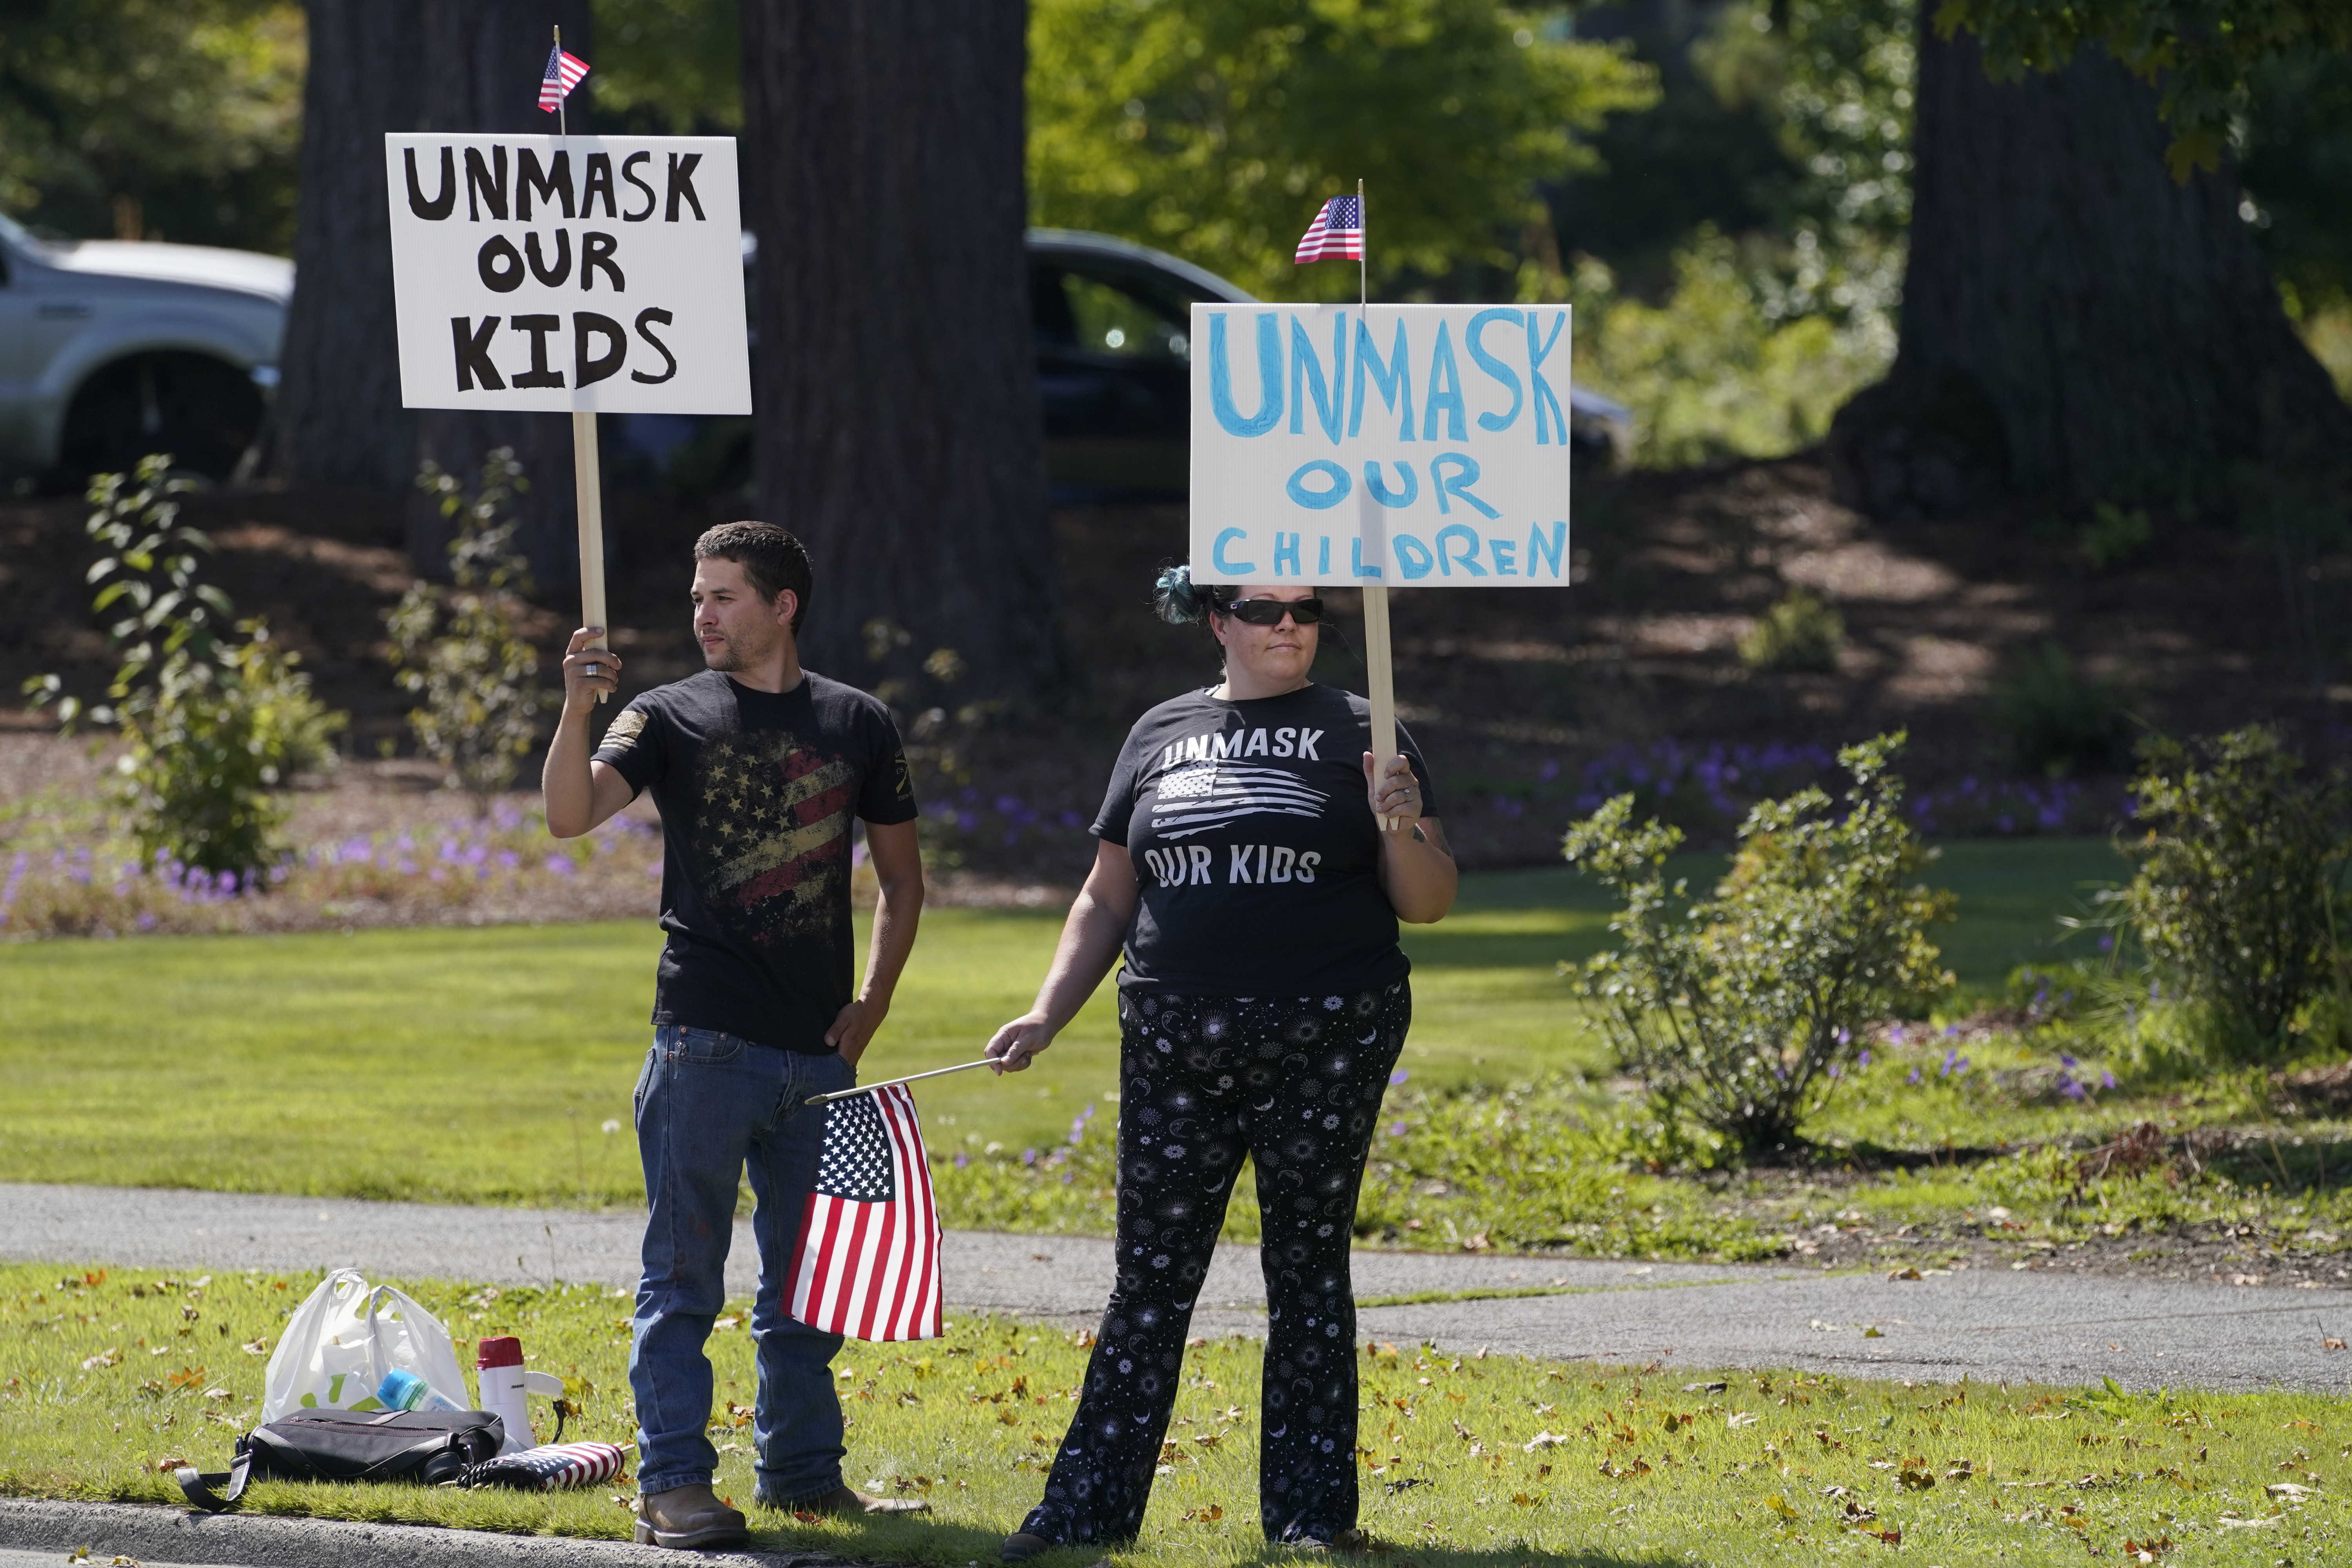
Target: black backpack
<point>425,1446</point>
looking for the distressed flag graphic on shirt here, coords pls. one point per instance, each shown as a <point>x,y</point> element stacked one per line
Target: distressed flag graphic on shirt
<point>867,1261</point>
<point>1195,797</point>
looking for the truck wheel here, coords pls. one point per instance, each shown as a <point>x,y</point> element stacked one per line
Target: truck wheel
<point>203,411</point>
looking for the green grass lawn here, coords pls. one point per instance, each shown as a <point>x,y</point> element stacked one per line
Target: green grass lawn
<point>484,1065</point>
<point>108,1382</point>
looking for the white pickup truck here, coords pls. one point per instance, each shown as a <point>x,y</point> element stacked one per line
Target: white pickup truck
<point>110,350</point>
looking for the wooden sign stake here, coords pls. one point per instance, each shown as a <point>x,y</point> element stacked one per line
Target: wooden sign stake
<point>588,486</point>
<point>1378,675</point>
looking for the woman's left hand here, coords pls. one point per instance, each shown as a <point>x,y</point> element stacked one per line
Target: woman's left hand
<point>1393,792</point>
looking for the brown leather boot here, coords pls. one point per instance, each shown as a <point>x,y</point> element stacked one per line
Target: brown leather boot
<point>688,1518</point>
<point>846,1500</point>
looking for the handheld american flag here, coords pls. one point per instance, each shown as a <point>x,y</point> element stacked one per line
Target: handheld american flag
<point>563,74</point>
<point>867,1261</point>
<point>1338,230</point>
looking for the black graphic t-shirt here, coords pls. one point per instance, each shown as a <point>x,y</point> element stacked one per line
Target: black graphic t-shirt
<point>1255,846</point>
<point>756,790</point>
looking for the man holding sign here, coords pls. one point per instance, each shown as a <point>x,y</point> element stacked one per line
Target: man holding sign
<point>592,274</point>
<point>759,767</point>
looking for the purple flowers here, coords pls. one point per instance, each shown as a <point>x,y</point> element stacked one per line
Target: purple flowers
<point>1399,1076</point>
<point>1078,1123</point>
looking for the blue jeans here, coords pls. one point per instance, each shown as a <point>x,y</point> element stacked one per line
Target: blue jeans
<point>707,1103</point>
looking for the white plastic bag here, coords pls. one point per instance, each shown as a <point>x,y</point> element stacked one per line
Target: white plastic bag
<point>339,1343</point>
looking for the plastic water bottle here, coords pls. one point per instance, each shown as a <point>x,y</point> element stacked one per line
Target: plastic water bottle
<point>406,1391</point>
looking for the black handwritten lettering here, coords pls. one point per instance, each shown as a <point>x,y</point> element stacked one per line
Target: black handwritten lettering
<point>556,182</point>
<point>681,183</point>
<point>628,167</point>
<point>539,327</point>
<point>669,361</point>
<point>549,277</point>
<point>438,207</point>
<point>474,353</point>
<point>597,250</point>
<point>585,371</point>
<point>500,268</point>
<point>484,188</point>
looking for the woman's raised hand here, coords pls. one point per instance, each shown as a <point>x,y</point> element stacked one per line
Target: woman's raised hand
<point>1015,1045</point>
<point>1392,791</point>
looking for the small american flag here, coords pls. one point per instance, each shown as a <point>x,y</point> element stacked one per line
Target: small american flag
<point>869,1254</point>
<point>1338,230</point>
<point>563,74</point>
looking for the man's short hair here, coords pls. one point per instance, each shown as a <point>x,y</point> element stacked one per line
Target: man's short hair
<point>770,557</point>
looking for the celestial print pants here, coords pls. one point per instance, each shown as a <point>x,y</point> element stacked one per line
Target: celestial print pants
<point>1295,1084</point>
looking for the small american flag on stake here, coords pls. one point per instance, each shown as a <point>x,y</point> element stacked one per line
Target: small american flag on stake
<point>867,1261</point>
<point>563,74</point>
<point>1338,230</point>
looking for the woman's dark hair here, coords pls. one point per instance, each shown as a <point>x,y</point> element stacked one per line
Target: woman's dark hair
<point>770,557</point>
<point>1181,601</point>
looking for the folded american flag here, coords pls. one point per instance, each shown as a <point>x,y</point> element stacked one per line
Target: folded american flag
<point>563,74</point>
<point>547,1467</point>
<point>869,1254</point>
<point>1338,230</point>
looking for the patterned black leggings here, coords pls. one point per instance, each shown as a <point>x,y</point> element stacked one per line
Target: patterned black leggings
<point>1295,1084</point>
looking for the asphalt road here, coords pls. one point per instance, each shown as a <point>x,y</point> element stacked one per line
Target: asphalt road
<point>1986,1325</point>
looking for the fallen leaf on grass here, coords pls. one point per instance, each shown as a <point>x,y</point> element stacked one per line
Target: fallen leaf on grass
<point>1209,1515</point>
<point>165,1466</point>
<point>1523,1499</point>
<point>186,1377</point>
<point>2147,1551</point>
<point>1546,1440</point>
<point>1741,1419</point>
<point>1703,1387</point>
<point>2290,1491</point>
<point>112,1356</point>
<point>1903,1274</point>
<point>257,1347</point>
<point>1780,1505</point>
<point>721,1325</point>
<point>1917,1480</point>
<point>1892,1537</point>
<point>2231,1521</point>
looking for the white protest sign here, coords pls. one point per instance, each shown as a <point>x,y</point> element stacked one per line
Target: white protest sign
<point>1420,446</point>
<point>590,274</point>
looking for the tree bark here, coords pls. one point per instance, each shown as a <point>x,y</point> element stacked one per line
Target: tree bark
<point>2076,323</point>
<point>482,64</point>
<point>337,419</point>
<point>896,428</point>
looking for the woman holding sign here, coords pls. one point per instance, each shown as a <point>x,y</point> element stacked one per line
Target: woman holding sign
<point>1253,867</point>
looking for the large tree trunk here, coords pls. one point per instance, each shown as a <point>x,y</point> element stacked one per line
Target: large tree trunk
<point>337,418</point>
<point>482,63</point>
<point>895,381</point>
<point>2076,323</point>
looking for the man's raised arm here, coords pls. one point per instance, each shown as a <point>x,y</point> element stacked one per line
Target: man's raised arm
<point>580,793</point>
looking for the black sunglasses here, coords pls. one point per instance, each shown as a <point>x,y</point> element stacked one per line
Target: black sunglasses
<point>1269,611</point>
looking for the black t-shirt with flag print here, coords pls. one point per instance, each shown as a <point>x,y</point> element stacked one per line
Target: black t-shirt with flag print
<point>1255,846</point>
<point>756,791</point>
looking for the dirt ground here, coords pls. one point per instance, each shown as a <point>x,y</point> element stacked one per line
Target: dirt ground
<point>1512,693</point>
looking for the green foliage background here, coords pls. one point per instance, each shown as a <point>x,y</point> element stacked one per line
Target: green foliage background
<point>153,118</point>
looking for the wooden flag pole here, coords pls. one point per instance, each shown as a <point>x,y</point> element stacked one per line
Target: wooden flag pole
<point>1378,675</point>
<point>588,486</point>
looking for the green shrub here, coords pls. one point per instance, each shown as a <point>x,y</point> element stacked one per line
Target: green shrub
<point>2114,536</point>
<point>1798,632</point>
<point>461,646</point>
<point>2060,723</point>
<point>1722,367</point>
<point>1741,1011</point>
<point>2239,883</point>
<point>214,725</point>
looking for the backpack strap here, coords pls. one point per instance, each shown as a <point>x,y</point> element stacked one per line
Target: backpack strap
<point>201,1489</point>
